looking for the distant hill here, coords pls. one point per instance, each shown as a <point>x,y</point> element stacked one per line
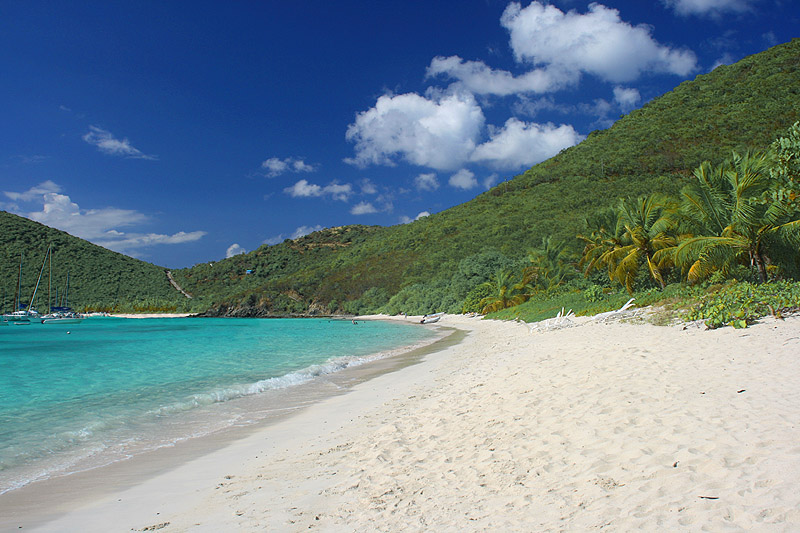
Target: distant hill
<point>655,148</point>
<point>98,277</point>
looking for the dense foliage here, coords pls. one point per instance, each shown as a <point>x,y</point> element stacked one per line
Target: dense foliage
<point>740,304</point>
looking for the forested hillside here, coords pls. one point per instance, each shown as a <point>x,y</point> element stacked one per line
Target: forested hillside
<point>98,278</point>
<point>435,262</point>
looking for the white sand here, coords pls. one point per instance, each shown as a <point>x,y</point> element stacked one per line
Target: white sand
<point>611,426</point>
<point>150,315</point>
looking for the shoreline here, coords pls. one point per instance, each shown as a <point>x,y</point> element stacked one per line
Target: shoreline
<point>149,315</point>
<point>65,491</point>
<point>603,425</point>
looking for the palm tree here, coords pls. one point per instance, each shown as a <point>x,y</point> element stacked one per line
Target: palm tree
<point>549,266</point>
<point>733,221</point>
<point>504,293</point>
<point>603,236</point>
<point>642,236</point>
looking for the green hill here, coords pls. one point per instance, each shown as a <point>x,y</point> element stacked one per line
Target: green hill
<point>435,261</point>
<point>98,278</point>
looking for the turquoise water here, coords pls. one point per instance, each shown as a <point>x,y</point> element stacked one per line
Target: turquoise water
<point>74,396</point>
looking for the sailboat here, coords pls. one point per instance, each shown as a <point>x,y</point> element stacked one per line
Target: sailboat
<point>18,317</point>
<point>60,314</point>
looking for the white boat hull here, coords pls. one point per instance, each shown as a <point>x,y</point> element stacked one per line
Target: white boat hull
<point>62,320</point>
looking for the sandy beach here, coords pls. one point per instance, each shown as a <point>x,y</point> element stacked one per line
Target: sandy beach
<point>612,426</point>
<point>150,315</point>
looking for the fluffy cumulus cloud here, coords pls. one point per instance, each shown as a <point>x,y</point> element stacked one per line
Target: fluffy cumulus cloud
<point>479,78</point>
<point>275,166</point>
<point>304,189</point>
<point>521,144</point>
<point>597,42</point>
<point>438,132</point>
<point>463,179</point>
<point>100,226</point>
<point>234,249</point>
<point>708,7</point>
<point>363,208</point>
<point>627,98</point>
<point>426,182</point>
<point>108,144</point>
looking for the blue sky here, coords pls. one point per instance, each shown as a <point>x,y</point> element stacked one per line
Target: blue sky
<point>184,132</point>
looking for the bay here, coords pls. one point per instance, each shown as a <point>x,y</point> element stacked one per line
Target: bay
<point>77,396</point>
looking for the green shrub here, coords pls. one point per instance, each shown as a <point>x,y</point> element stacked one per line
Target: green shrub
<point>741,304</point>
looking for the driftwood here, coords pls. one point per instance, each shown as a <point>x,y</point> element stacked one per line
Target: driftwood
<point>609,315</point>
<point>560,321</point>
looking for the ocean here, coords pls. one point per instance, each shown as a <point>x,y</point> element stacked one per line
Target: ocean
<point>77,396</point>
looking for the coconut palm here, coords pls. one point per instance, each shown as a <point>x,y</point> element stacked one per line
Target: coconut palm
<point>601,238</point>
<point>549,266</point>
<point>647,230</point>
<point>504,293</point>
<point>733,222</point>
<point>642,236</point>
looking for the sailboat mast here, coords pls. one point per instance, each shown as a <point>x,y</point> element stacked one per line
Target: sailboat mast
<point>19,284</point>
<point>50,285</point>
<point>41,271</point>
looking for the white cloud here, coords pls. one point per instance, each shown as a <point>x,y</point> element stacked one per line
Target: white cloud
<point>521,144</point>
<point>479,78</point>
<point>367,187</point>
<point>129,242</point>
<point>489,181</point>
<point>302,231</point>
<point>363,208</point>
<point>304,189</point>
<point>597,42</point>
<point>275,166</point>
<point>34,192</point>
<point>108,144</point>
<point>59,211</point>
<point>708,7</point>
<point>463,179</point>
<point>627,98</point>
<point>426,182</point>
<point>726,59</point>
<point>438,133</point>
<point>234,249</point>
<point>405,219</point>
<point>100,225</point>
<point>338,192</point>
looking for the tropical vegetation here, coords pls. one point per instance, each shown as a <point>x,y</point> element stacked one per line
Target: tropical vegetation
<point>695,189</point>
